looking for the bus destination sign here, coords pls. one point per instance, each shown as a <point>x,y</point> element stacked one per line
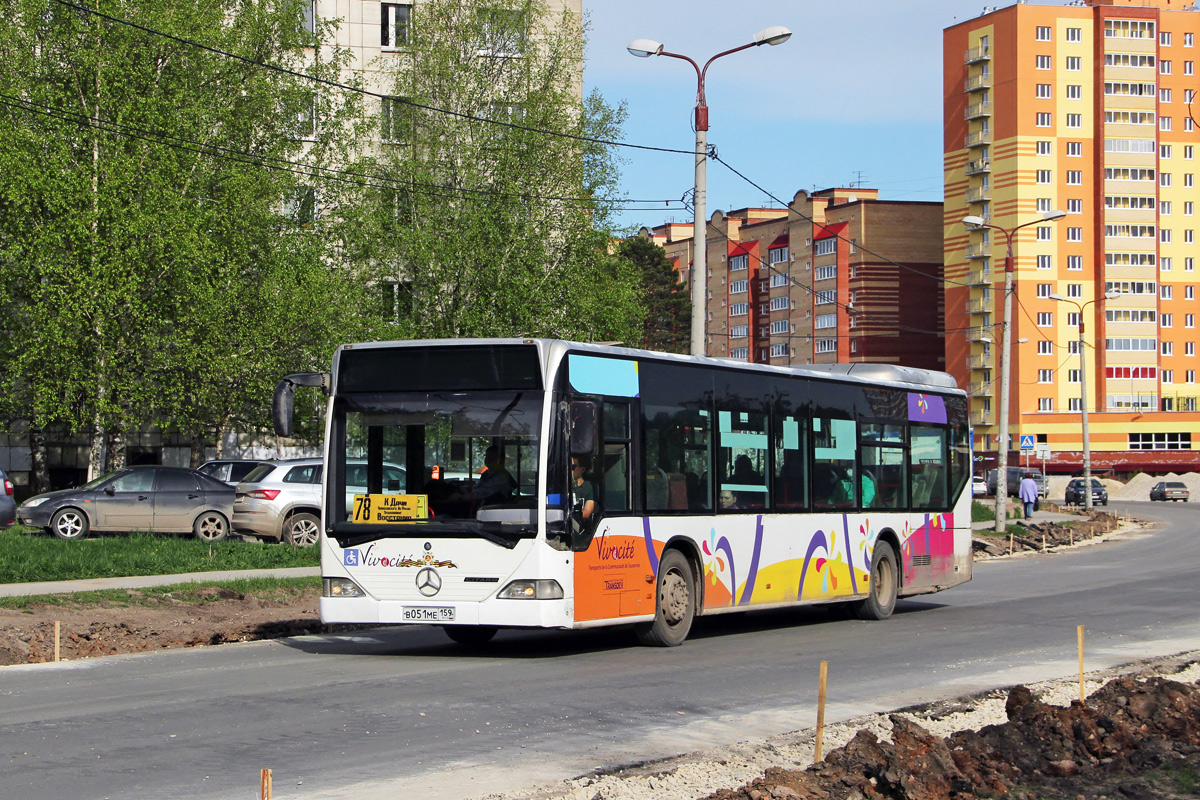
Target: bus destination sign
<point>390,509</point>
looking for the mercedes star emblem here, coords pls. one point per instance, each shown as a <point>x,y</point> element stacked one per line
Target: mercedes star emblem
<point>429,582</point>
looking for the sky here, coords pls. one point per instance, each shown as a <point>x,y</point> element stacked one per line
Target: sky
<point>853,98</point>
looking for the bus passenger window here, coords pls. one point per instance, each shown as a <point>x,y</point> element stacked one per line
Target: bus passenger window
<point>927,460</point>
<point>790,485</point>
<point>743,459</point>
<point>834,443</point>
<point>883,482</point>
<point>615,477</point>
<point>676,449</point>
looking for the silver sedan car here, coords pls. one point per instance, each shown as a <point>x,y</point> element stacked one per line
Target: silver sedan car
<point>157,499</point>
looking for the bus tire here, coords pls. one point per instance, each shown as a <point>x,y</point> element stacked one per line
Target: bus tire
<point>881,596</point>
<point>470,635</point>
<point>675,603</point>
<point>302,530</point>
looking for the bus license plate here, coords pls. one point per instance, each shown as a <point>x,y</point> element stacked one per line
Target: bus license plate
<point>427,614</point>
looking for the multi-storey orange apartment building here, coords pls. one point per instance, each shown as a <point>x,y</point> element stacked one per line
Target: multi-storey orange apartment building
<point>1084,109</point>
<point>836,277</point>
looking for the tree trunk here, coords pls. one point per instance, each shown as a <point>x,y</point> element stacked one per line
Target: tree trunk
<point>197,450</point>
<point>40,476</point>
<point>96,453</point>
<point>116,451</point>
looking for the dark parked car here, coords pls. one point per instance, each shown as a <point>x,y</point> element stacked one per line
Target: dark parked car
<point>1075,494</point>
<point>1169,490</point>
<point>1015,474</point>
<point>8,507</point>
<point>158,499</point>
<point>232,471</point>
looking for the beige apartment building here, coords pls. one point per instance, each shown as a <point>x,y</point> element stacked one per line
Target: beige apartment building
<point>1084,109</point>
<point>841,276</point>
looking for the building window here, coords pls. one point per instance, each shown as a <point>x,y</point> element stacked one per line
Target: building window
<point>1164,264</point>
<point>739,262</point>
<point>1164,235</point>
<point>1074,91</point>
<point>826,345</point>
<point>1168,348</point>
<point>1164,208</point>
<point>1164,123</point>
<point>1164,151</point>
<point>1045,262</point>
<point>1164,95</point>
<point>1045,347</point>
<point>394,19</point>
<point>739,287</point>
<point>1075,262</point>
<point>1188,39</point>
<point>1167,292</point>
<point>1188,179</point>
<point>1045,404</point>
<point>739,331</point>
<point>825,321</point>
<point>1167,320</point>
<point>739,309</point>
<point>1074,177</point>
<point>777,255</point>
<point>1044,290</point>
<point>1044,234</point>
<point>779,304</point>
<point>1075,206</point>
<point>1164,38</point>
<point>1044,119</point>
<point>1045,376</point>
<point>826,296</point>
<point>1045,319</point>
<point>1044,33</point>
<point>1043,176</point>
<point>1043,205</point>
<point>1043,91</point>
<point>1072,376</point>
<point>825,273</point>
<point>1074,34</point>
<point>1075,148</point>
<point>1074,234</point>
<point>1164,66</point>
<point>1160,441</point>
<point>1044,148</point>
<point>391,120</point>
<point>1168,376</point>
<point>1164,179</point>
<point>1074,63</point>
<point>1074,121</point>
<point>1189,68</point>
<point>310,16</point>
<point>1189,349</point>
<point>1043,62</point>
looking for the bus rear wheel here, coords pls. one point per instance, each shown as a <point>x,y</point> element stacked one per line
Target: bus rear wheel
<point>881,597</point>
<point>470,635</point>
<point>675,606</point>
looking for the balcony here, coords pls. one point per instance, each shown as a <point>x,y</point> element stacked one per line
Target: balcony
<point>981,305</point>
<point>979,277</point>
<point>978,110</point>
<point>977,139</point>
<point>980,194</point>
<point>977,54</point>
<point>979,166</point>
<point>976,82</point>
<point>979,389</point>
<point>981,418</point>
<point>979,361</point>
<point>978,250</point>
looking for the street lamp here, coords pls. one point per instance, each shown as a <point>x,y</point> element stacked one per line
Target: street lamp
<point>1083,398</point>
<point>974,223</point>
<point>644,48</point>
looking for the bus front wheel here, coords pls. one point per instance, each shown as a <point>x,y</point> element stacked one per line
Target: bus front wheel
<point>881,599</point>
<point>675,605</point>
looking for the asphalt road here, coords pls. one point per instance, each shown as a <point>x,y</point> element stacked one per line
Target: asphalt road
<point>401,711</point>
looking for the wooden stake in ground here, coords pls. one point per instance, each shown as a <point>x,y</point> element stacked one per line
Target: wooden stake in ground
<point>1081,695</point>
<point>821,710</point>
<point>264,788</point>
<point>57,635</point>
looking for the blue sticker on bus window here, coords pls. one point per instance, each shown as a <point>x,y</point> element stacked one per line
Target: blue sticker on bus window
<point>791,434</point>
<point>616,377</point>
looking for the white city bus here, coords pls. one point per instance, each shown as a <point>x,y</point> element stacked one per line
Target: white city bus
<point>714,486</point>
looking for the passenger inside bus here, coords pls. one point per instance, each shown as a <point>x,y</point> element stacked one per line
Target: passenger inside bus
<point>497,484</point>
<point>583,492</point>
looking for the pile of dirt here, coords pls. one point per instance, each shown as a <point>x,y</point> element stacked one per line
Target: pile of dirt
<point>1132,739</point>
<point>1042,536</point>
<point>189,617</point>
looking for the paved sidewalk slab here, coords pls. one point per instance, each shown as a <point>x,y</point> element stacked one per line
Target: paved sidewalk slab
<point>139,581</point>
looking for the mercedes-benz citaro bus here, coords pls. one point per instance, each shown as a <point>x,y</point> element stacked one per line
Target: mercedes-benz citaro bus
<point>536,483</point>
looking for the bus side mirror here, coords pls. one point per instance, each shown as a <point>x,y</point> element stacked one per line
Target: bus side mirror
<point>583,428</point>
<point>284,399</point>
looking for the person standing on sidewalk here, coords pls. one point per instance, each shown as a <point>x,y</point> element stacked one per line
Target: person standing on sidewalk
<point>1028,493</point>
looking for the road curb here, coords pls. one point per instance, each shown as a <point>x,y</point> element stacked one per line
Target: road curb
<point>141,581</point>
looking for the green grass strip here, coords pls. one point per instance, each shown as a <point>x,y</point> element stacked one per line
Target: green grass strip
<point>28,556</point>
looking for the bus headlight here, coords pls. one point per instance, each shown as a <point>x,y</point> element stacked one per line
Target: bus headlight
<point>341,587</point>
<point>532,590</point>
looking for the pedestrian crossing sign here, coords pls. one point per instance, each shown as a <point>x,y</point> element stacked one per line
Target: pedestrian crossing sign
<point>1026,442</point>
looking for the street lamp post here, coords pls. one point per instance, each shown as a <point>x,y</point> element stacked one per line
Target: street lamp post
<point>1005,356</point>
<point>644,48</point>
<point>1083,398</point>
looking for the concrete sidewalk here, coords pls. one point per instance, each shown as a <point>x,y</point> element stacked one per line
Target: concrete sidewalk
<point>139,581</point>
<point>1038,518</point>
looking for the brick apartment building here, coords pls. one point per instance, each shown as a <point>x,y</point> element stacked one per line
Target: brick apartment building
<point>840,277</point>
<point>1082,108</point>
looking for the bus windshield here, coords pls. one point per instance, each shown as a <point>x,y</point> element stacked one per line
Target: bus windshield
<point>466,460</point>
